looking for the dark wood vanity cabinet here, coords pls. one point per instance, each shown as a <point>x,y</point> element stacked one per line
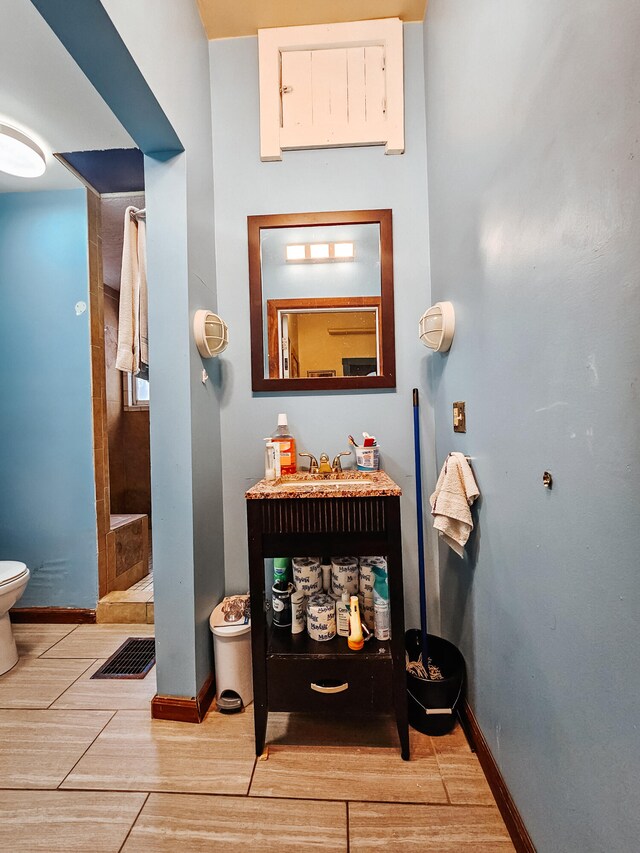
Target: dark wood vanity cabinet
<point>288,669</point>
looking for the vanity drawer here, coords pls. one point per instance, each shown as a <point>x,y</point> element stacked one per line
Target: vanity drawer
<point>324,685</point>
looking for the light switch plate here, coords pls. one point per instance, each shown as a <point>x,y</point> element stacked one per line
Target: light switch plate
<point>459,417</point>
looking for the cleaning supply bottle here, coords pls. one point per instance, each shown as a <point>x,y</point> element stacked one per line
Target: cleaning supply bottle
<point>286,444</point>
<point>281,569</point>
<point>342,615</point>
<point>355,640</point>
<point>381,610</point>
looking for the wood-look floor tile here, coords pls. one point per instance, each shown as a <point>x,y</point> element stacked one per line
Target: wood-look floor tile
<point>109,693</point>
<point>96,641</point>
<point>426,829</point>
<point>140,754</point>
<point>461,772</point>
<point>198,824</point>
<point>331,773</point>
<point>285,729</point>
<point>37,682</point>
<point>66,821</point>
<point>39,748</point>
<point>464,780</point>
<point>34,640</point>
<point>453,743</point>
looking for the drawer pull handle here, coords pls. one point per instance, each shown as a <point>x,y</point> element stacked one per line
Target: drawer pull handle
<point>330,688</point>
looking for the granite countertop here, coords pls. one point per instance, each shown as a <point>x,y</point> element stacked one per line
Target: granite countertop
<point>347,484</point>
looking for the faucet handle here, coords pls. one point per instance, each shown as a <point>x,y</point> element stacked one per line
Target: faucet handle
<point>336,467</point>
<point>313,462</point>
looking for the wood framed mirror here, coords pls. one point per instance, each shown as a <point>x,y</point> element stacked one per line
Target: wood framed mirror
<point>321,300</point>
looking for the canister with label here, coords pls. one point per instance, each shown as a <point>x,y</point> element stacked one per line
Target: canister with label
<point>281,604</point>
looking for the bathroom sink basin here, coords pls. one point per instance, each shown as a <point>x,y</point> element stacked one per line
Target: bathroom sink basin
<point>340,484</point>
<point>336,481</point>
<point>335,477</point>
<point>322,484</point>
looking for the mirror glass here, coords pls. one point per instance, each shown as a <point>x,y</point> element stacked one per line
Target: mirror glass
<point>321,292</point>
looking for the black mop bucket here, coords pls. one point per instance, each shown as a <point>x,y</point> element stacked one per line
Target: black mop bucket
<point>433,704</point>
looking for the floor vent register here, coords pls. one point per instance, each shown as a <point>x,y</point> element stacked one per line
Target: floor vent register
<point>133,659</point>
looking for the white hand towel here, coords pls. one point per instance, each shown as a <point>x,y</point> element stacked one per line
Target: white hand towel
<point>142,278</point>
<point>456,490</point>
<point>132,315</point>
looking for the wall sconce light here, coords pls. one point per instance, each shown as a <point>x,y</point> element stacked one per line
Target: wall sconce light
<point>319,253</point>
<point>437,326</point>
<point>19,154</point>
<point>210,332</point>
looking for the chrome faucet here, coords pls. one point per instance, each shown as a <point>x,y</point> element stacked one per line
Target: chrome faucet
<point>313,462</point>
<point>336,467</point>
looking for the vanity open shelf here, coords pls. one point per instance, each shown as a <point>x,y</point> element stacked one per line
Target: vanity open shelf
<point>293,672</point>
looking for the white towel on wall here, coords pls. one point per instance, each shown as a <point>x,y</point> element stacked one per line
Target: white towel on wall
<point>456,490</point>
<point>143,309</point>
<point>132,316</point>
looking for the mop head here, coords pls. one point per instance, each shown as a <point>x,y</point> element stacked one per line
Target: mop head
<point>416,668</point>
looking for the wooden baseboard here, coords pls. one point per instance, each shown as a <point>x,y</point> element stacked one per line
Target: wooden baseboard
<point>510,814</point>
<point>184,709</point>
<point>57,615</point>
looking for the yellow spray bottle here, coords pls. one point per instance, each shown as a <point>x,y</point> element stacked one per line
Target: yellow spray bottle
<point>355,640</point>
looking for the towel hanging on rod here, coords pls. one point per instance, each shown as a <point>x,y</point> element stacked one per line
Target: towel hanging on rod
<point>455,491</point>
<point>133,353</point>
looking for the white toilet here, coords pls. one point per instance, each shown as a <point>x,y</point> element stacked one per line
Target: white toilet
<point>13,580</point>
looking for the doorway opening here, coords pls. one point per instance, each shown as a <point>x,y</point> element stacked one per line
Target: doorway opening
<point>120,399</point>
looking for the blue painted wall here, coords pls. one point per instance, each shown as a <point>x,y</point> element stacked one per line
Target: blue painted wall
<point>337,179</point>
<point>534,196</point>
<point>47,497</point>
<point>168,45</point>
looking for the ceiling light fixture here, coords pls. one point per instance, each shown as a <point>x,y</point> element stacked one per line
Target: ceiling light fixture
<point>296,252</point>
<point>343,250</point>
<point>19,154</point>
<point>318,253</point>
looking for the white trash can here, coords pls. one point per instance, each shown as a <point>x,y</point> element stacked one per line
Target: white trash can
<point>232,653</point>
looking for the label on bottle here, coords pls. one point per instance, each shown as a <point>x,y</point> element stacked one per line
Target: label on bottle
<point>382,622</point>
<point>287,448</point>
<point>342,618</point>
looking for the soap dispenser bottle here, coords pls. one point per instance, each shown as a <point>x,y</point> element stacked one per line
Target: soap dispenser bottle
<point>381,611</point>
<point>286,444</point>
<point>271,459</point>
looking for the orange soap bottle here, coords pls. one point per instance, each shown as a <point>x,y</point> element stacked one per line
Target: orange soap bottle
<point>287,445</point>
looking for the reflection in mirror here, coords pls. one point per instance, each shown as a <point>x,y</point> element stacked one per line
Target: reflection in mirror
<point>321,338</point>
<point>321,300</point>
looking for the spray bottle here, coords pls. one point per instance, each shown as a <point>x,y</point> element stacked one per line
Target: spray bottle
<point>382,613</point>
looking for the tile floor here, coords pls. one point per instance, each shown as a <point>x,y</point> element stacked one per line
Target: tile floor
<point>83,769</point>
<point>129,605</point>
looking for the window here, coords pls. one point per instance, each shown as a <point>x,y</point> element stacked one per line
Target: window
<point>136,392</point>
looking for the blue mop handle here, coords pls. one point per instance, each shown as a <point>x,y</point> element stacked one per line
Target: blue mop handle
<point>421,575</point>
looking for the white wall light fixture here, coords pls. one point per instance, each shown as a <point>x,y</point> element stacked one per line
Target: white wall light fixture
<point>210,332</point>
<point>437,326</point>
<point>319,253</point>
<point>19,154</point>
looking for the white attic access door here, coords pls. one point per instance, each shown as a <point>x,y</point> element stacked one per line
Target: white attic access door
<point>331,85</point>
